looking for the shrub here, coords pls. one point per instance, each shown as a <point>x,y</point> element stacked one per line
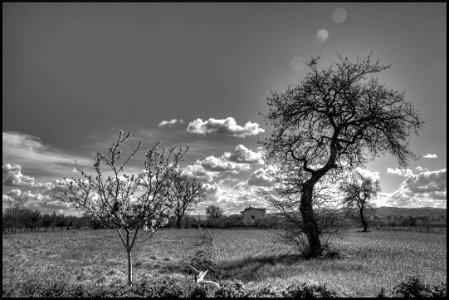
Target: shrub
<point>160,287</point>
<point>305,290</point>
<point>203,259</point>
<point>202,291</point>
<point>266,292</point>
<point>232,289</point>
<point>413,286</point>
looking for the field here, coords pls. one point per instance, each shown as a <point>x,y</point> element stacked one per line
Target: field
<point>93,257</point>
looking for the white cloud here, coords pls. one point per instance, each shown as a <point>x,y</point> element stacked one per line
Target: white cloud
<point>37,201</point>
<point>400,172</point>
<point>197,171</point>
<point>262,177</point>
<point>241,154</point>
<point>226,126</point>
<point>219,164</point>
<point>428,181</point>
<point>430,156</point>
<point>425,189</point>
<point>12,176</point>
<point>170,123</point>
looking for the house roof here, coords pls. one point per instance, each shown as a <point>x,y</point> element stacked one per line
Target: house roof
<point>249,208</point>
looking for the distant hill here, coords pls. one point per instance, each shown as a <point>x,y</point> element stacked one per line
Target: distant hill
<point>417,212</point>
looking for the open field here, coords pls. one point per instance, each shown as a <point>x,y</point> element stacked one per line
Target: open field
<point>374,259</point>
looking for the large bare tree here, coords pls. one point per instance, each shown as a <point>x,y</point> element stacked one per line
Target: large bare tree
<point>188,191</point>
<point>333,120</point>
<point>358,193</point>
<point>134,205</point>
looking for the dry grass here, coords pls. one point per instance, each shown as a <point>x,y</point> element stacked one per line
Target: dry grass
<point>374,259</point>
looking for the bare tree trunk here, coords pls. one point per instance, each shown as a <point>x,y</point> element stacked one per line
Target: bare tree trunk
<point>310,223</point>
<point>130,266</point>
<point>364,222</point>
<point>178,222</point>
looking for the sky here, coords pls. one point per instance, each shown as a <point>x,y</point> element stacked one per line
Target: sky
<point>199,75</point>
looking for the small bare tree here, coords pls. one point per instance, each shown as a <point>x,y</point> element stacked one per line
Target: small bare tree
<point>188,191</point>
<point>113,200</point>
<point>358,193</point>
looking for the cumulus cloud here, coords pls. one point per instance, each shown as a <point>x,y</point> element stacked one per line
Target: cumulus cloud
<point>38,201</point>
<point>233,162</point>
<point>428,181</point>
<point>197,171</point>
<point>262,177</point>
<point>226,126</point>
<point>400,172</point>
<point>170,123</point>
<point>12,176</point>
<point>219,164</point>
<point>420,190</point>
<point>430,156</point>
<point>230,179</point>
<point>241,154</point>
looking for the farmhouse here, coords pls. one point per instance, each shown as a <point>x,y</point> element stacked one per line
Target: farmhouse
<point>251,214</point>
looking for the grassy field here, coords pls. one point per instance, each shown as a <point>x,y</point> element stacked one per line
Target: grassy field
<point>373,260</point>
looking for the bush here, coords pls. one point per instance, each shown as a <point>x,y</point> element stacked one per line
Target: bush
<point>202,260</point>
<point>160,287</point>
<point>232,289</point>
<point>413,286</point>
<point>266,292</point>
<point>203,291</point>
<point>305,290</point>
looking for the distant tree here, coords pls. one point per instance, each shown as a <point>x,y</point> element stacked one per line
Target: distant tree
<point>235,220</point>
<point>46,221</point>
<point>330,123</point>
<point>54,220</point>
<point>36,219</point>
<point>187,192</point>
<point>61,222</point>
<point>111,199</point>
<point>359,193</point>
<point>214,212</point>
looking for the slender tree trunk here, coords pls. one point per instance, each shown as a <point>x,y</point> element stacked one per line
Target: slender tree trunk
<point>310,222</point>
<point>178,222</point>
<point>364,222</point>
<point>130,266</point>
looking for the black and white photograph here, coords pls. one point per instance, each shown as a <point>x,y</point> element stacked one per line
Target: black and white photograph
<point>224,149</point>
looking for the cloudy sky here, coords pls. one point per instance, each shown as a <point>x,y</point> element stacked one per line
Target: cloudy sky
<point>197,75</point>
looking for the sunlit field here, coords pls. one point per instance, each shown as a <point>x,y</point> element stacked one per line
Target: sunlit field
<point>256,257</point>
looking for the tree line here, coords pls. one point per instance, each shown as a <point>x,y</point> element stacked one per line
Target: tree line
<point>24,219</point>
<point>27,220</point>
